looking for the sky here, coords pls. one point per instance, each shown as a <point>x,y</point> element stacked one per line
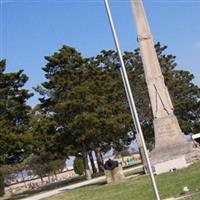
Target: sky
<point>30,30</point>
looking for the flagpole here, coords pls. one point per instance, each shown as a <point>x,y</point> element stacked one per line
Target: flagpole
<point>130,99</point>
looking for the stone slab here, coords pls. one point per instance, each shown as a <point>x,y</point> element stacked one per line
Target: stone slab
<point>170,165</point>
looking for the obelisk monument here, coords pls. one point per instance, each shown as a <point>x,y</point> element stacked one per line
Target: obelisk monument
<point>171,149</point>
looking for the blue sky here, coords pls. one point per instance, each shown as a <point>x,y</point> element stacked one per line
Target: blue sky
<point>31,30</point>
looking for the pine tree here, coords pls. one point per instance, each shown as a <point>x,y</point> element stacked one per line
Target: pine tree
<point>15,139</point>
<point>84,99</point>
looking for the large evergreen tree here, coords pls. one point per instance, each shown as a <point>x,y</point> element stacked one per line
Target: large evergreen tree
<point>86,102</point>
<point>15,138</point>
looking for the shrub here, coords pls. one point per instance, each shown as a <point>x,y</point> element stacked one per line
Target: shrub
<point>78,165</point>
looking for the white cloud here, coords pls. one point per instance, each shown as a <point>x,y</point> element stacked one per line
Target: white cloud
<point>197,44</point>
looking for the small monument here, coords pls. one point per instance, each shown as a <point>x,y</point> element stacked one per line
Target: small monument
<point>171,148</point>
<point>113,171</point>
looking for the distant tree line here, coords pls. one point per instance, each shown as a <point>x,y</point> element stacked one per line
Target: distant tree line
<point>83,110</point>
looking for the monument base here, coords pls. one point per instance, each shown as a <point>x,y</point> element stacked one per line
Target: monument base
<point>174,156</point>
<point>171,148</point>
<point>170,165</point>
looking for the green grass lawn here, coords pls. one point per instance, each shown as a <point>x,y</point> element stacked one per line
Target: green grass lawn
<point>139,188</point>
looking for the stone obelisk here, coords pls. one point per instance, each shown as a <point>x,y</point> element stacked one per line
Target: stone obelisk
<point>170,145</point>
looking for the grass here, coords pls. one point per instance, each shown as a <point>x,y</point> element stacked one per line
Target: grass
<point>139,188</point>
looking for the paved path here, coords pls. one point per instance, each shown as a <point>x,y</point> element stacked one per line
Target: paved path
<point>189,195</point>
<point>73,186</point>
<point>184,196</point>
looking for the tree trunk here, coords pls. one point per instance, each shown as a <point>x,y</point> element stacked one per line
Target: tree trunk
<point>102,157</point>
<point>94,169</point>
<point>49,178</point>
<point>55,174</point>
<point>99,160</point>
<point>42,181</point>
<point>85,161</point>
<point>142,155</point>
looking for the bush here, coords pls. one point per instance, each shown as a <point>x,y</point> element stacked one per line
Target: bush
<point>78,165</point>
<point>1,184</point>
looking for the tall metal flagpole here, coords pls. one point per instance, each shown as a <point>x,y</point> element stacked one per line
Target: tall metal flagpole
<point>131,100</point>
